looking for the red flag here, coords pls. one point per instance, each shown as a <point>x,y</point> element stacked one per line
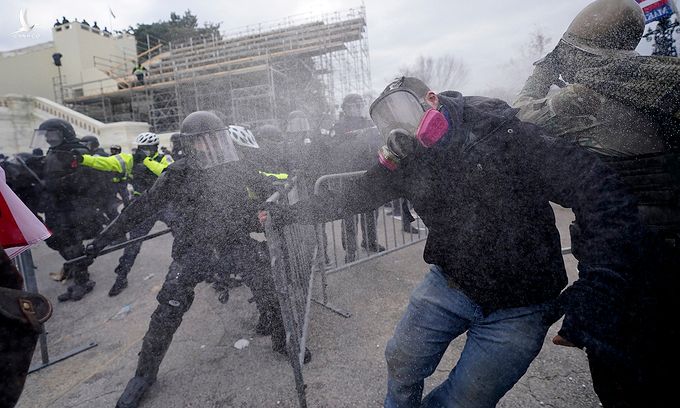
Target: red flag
<point>19,227</point>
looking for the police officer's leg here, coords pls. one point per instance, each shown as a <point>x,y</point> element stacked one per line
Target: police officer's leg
<point>174,299</point>
<point>252,261</point>
<point>369,232</point>
<point>66,243</point>
<point>349,238</point>
<point>127,260</point>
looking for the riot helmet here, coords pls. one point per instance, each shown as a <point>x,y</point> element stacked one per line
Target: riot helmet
<point>206,141</point>
<point>52,133</point>
<point>297,122</point>
<point>605,26</point>
<point>353,106</point>
<point>91,142</point>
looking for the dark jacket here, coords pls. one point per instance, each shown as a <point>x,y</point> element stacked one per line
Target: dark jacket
<point>484,194</point>
<point>212,210</point>
<point>70,205</point>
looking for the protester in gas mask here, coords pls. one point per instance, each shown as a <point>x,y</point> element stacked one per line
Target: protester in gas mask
<point>214,212</point>
<point>482,180</point>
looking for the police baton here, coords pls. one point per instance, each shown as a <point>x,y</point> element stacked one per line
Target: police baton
<point>119,246</point>
<point>31,172</point>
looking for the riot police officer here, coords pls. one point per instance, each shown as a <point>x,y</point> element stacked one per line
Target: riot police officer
<point>603,107</point>
<point>213,216</point>
<point>143,168</point>
<point>71,213</point>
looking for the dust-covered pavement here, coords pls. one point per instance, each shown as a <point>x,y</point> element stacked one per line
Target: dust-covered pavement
<point>203,369</point>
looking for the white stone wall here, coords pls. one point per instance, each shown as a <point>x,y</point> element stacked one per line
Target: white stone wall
<point>20,115</point>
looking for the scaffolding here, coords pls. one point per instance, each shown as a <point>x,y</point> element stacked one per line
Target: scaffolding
<point>250,76</point>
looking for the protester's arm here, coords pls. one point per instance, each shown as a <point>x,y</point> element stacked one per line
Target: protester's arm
<point>538,84</point>
<point>376,187</point>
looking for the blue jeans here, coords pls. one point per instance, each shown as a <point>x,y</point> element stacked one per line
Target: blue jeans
<point>497,353</point>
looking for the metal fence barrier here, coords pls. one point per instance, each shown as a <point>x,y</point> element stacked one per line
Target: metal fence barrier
<point>293,252</point>
<point>298,252</point>
<point>363,237</point>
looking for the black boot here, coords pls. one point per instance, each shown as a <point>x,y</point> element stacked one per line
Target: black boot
<point>411,230</point>
<point>134,392</point>
<point>374,247</point>
<point>118,286</point>
<point>77,291</point>
<point>66,295</point>
<point>283,350</point>
<point>264,324</point>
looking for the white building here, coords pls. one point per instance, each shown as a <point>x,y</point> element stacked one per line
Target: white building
<point>31,84</point>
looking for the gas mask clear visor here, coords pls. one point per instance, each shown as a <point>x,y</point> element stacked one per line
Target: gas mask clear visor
<point>209,149</point>
<point>404,120</point>
<point>400,110</point>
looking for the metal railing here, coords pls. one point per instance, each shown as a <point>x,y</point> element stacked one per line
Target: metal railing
<point>363,237</point>
<point>293,255</point>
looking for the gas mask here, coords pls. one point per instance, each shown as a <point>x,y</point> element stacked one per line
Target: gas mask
<point>405,121</point>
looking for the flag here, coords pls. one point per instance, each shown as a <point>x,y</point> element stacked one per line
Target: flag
<point>19,227</point>
<point>111,11</point>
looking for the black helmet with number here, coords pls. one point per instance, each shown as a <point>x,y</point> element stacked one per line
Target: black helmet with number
<point>353,105</point>
<point>90,141</point>
<point>205,140</point>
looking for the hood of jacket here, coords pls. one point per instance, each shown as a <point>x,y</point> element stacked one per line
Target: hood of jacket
<point>474,117</point>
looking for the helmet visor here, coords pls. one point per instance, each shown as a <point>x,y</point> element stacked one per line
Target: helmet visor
<point>209,149</point>
<point>45,139</point>
<point>399,109</point>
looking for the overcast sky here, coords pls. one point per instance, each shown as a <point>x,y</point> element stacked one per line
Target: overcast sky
<point>486,35</point>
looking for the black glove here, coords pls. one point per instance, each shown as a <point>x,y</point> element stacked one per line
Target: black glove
<point>139,156</point>
<point>95,247</point>
<point>593,309</point>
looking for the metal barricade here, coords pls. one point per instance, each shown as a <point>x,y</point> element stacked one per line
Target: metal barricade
<point>382,232</point>
<point>299,251</point>
<point>293,252</point>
